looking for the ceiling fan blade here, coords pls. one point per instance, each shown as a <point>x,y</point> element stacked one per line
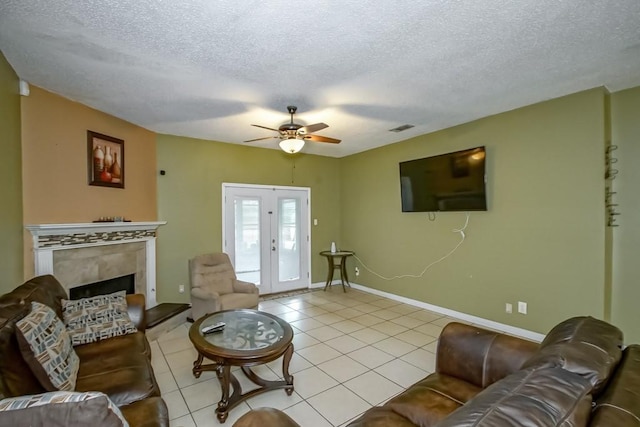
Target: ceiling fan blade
<point>264,127</point>
<point>318,138</point>
<point>312,128</point>
<point>260,139</point>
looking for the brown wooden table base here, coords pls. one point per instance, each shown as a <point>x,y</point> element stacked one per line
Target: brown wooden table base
<point>228,379</point>
<point>342,266</point>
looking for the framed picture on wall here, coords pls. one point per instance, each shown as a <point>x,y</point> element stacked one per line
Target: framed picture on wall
<point>105,160</point>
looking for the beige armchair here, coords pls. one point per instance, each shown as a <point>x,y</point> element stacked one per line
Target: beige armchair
<point>215,287</point>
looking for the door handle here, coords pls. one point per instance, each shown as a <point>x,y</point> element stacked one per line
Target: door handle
<point>273,248</point>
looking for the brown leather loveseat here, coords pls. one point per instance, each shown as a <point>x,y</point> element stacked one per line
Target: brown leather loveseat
<point>119,367</point>
<point>578,376</point>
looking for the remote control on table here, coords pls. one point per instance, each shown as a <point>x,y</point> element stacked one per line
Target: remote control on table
<point>216,327</point>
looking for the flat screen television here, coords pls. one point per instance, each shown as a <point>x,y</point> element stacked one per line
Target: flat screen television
<point>448,182</point>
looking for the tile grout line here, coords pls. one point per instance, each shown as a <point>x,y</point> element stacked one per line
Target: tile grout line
<point>286,305</point>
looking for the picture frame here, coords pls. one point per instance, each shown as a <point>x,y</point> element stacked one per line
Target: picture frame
<point>105,160</point>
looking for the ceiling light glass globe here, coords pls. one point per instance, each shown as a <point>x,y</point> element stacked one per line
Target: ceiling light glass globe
<point>292,145</point>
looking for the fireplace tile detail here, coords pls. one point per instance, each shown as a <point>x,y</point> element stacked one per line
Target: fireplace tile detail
<point>84,238</point>
<point>78,254</point>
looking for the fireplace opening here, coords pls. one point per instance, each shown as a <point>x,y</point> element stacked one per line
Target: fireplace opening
<point>105,287</point>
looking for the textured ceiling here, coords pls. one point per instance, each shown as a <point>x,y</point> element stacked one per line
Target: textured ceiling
<point>209,69</point>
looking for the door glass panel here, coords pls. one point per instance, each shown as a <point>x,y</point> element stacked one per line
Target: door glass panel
<point>289,239</point>
<point>247,239</point>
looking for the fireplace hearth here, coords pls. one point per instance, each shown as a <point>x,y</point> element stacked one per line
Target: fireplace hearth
<point>123,283</point>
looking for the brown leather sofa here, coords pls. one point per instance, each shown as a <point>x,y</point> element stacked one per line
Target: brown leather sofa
<point>119,367</point>
<point>578,376</point>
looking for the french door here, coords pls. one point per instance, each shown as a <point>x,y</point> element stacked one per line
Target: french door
<point>266,234</point>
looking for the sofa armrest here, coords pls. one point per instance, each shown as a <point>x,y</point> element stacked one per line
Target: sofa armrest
<point>204,301</point>
<point>618,404</point>
<point>479,356</point>
<point>204,294</point>
<point>244,287</point>
<point>264,417</point>
<point>61,408</point>
<point>136,309</point>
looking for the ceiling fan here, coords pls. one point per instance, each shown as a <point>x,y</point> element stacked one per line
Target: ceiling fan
<point>293,135</point>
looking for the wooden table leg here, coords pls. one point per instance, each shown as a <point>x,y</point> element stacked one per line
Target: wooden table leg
<point>330,272</point>
<point>224,375</point>
<point>197,366</point>
<point>285,369</point>
<point>343,273</point>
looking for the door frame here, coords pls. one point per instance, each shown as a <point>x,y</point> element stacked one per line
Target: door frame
<point>227,185</point>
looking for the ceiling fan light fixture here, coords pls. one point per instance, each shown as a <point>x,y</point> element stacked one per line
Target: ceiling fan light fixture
<point>291,145</point>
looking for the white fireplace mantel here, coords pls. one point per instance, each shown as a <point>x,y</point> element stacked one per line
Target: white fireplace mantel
<point>91,227</point>
<point>48,238</point>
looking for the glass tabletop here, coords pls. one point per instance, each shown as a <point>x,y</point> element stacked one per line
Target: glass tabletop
<point>244,330</point>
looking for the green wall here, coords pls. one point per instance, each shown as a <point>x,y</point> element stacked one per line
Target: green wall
<point>11,178</point>
<point>625,119</point>
<point>542,240</point>
<point>190,200</point>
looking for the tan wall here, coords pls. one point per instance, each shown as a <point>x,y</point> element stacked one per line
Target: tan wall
<point>542,240</point>
<point>54,154</point>
<point>190,199</point>
<point>625,109</point>
<point>11,179</point>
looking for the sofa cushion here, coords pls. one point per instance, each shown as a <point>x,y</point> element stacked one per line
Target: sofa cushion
<point>46,347</point>
<point>586,346</point>
<point>480,356</point>
<point>16,377</point>
<point>212,273</point>
<point>231,301</point>
<point>261,417</point>
<point>61,409</point>
<point>424,403</point>
<point>124,377</point>
<point>547,397</point>
<point>150,412</point>
<point>618,404</point>
<point>378,416</point>
<point>43,289</point>
<point>114,353</point>
<point>97,318</point>
<point>212,278</point>
<point>135,345</point>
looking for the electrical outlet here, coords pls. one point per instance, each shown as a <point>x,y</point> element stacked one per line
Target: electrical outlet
<point>357,271</point>
<point>181,289</point>
<point>315,221</point>
<point>508,308</point>
<point>522,307</point>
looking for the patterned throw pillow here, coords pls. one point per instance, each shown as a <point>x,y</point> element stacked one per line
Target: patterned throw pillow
<point>61,408</point>
<point>46,347</point>
<point>97,318</point>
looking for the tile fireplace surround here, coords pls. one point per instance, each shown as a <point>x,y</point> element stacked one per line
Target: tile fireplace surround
<point>82,253</point>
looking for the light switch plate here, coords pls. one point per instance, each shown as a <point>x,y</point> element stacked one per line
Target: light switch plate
<point>522,307</point>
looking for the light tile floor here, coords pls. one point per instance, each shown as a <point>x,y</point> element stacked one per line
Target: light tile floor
<point>353,350</point>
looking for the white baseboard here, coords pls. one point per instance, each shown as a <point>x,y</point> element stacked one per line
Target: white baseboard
<point>501,327</point>
<point>317,285</point>
<point>507,329</point>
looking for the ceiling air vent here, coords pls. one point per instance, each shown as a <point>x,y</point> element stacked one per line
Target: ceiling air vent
<point>401,128</point>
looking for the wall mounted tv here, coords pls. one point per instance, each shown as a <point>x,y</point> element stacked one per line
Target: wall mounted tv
<point>448,182</point>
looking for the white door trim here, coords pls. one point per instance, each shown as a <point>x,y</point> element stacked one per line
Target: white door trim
<point>228,185</point>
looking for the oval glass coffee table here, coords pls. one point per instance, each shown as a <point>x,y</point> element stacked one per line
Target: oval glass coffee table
<point>249,338</point>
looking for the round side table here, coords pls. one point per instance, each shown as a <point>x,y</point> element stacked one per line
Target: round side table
<point>337,260</point>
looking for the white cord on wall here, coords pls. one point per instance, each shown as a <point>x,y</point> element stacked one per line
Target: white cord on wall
<point>402,276</point>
